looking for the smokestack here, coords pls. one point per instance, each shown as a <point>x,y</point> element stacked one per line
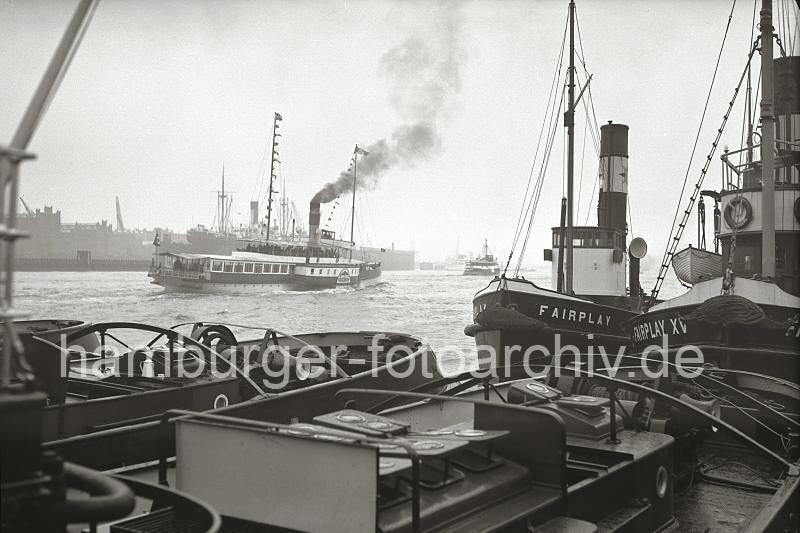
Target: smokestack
<point>613,199</point>
<point>253,213</point>
<point>313,222</point>
<point>787,113</point>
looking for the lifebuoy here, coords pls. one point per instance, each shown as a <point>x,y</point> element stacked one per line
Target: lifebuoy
<point>743,214</point>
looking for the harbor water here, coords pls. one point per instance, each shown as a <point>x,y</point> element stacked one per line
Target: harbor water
<point>435,305</point>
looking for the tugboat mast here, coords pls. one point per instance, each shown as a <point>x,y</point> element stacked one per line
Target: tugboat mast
<point>356,151</point>
<point>273,160</point>
<point>569,123</point>
<point>353,208</point>
<point>222,197</point>
<point>767,145</point>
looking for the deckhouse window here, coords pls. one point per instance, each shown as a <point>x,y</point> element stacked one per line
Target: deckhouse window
<point>248,267</point>
<point>312,271</point>
<point>276,269</point>
<point>216,266</point>
<point>257,268</point>
<point>237,267</point>
<point>284,269</point>
<point>228,267</point>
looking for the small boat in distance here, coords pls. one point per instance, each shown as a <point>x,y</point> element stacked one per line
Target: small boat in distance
<point>483,265</point>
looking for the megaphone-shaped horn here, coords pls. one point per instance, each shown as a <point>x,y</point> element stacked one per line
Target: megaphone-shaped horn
<point>638,248</point>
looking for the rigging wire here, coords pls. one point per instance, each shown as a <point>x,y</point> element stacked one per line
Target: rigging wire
<point>583,158</point>
<point>673,243</point>
<point>745,117</point>
<point>588,103</point>
<point>563,163</point>
<point>529,194</point>
<point>589,209</point>
<point>540,181</point>
<point>595,129</point>
<point>679,232</point>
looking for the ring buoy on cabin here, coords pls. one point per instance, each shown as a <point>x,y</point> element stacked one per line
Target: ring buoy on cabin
<point>738,212</point>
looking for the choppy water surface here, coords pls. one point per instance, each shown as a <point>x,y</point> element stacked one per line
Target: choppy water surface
<point>435,305</point>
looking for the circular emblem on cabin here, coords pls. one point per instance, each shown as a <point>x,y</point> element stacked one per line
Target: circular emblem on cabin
<point>738,212</point>
<point>343,278</point>
<point>220,401</point>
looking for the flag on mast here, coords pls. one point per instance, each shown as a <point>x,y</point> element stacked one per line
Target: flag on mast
<point>157,240</point>
<point>358,150</point>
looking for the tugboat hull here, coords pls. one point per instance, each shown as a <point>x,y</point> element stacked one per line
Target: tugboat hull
<point>525,323</point>
<point>755,330</point>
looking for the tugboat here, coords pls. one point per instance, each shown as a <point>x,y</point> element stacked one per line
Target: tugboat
<point>589,302</point>
<point>747,318</point>
<point>323,262</point>
<point>110,375</point>
<point>587,454</point>
<point>483,265</point>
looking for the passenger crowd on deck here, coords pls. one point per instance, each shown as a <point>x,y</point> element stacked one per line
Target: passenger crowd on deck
<point>292,251</point>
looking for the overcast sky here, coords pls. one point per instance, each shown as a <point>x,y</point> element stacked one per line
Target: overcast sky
<point>162,93</point>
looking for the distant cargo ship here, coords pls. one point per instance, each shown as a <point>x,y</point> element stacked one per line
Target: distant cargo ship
<point>57,246</point>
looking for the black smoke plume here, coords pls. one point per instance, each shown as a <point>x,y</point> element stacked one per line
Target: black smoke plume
<point>425,76</point>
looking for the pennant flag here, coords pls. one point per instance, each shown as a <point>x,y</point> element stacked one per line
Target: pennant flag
<point>157,240</point>
<point>360,151</point>
<point>278,116</point>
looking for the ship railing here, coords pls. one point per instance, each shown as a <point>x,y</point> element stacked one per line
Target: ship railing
<point>732,172</point>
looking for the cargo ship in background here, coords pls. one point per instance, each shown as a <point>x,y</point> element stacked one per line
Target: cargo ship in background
<point>55,245</point>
